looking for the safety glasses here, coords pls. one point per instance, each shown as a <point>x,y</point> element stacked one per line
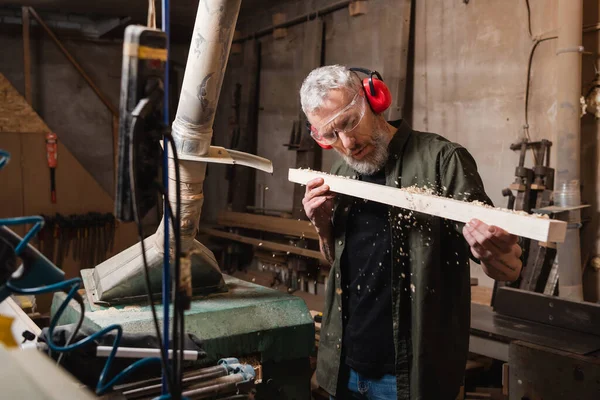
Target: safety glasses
<point>344,121</point>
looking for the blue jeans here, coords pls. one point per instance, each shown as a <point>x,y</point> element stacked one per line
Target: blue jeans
<point>363,388</point>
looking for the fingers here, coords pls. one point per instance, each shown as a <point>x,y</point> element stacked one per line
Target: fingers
<point>315,203</point>
<point>313,183</point>
<point>500,264</point>
<point>499,274</point>
<point>492,238</point>
<point>318,192</point>
<point>509,267</point>
<point>477,249</point>
<point>517,250</point>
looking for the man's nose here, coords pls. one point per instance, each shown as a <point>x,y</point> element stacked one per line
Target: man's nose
<point>347,140</point>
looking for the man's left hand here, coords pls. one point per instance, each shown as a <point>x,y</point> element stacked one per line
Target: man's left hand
<point>497,250</point>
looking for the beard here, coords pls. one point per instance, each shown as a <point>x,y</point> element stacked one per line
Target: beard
<point>375,160</point>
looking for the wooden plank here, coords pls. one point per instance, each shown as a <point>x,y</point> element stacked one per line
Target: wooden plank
<point>267,223</point>
<point>551,310</point>
<point>537,372</point>
<point>22,321</point>
<point>264,244</point>
<point>525,225</point>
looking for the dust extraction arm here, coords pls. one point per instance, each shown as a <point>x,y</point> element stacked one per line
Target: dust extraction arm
<point>120,278</point>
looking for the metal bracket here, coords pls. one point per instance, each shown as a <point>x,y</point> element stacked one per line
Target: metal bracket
<point>577,49</point>
<point>558,209</point>
<point>221,155</point>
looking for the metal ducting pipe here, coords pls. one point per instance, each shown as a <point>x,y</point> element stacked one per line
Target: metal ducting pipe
<point>120,279</point>
<point>193,125</point>
<point>567,190</point>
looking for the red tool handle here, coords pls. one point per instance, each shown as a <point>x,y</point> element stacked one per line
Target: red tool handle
<point>52,149</point>
<point>52,156</point>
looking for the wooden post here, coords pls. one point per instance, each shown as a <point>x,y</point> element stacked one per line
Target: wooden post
<point>244,180</point>
<point>308,154</point>
<point>395,63</point>
<point>26,54</point>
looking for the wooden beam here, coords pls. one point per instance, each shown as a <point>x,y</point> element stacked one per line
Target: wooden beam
<point>264,244</point>
<point>292,227</point>
<point>395,61</point>
<point>525,225</point>
<point>26,54</point>
<point>75,64</point>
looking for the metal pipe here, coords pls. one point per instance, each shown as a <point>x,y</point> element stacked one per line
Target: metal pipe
<point>223,385</point>
<point>193,125</point>
<point>201,374</point>
<point>195,382</point>
<point>137,352</point>
<point>296,20</point>
<point>567,190</point>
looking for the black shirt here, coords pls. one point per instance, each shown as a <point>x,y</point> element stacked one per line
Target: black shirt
<point>368,340</point>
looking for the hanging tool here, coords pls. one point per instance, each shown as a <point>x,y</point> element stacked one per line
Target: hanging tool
<point>52,156</point>
<point>87,237</point>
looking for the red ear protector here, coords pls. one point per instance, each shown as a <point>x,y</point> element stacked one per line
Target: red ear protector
<point>377,92</point>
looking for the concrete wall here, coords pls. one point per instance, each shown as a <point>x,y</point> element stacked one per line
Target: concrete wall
<point>469,74</point>
<point>469,79</point>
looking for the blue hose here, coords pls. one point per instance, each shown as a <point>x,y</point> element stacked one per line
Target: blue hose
<point>166,283</point>
<point>4,158</point>
<point>74,284</point>
<point>38,224</point>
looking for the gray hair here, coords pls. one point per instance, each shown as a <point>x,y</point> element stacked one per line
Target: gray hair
<point>320,81</point>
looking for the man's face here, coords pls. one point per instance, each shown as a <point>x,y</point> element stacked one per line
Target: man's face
<point>363,147</point>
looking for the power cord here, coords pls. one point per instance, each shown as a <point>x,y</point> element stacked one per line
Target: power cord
<point>178,320</point>
<point>170,384</point>
<point>74,285</point>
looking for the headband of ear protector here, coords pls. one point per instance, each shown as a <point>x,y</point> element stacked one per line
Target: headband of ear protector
<point>376,91</point>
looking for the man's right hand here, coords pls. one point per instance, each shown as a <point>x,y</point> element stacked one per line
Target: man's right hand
<point>318,205</point>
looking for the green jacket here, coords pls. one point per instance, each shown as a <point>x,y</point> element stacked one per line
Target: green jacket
<point>430,271</point>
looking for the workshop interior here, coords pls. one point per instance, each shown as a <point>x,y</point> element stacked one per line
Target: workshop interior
<point>153,161</point>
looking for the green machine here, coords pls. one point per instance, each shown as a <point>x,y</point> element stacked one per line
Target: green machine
<point>233,318</point>
<point>247,320</point>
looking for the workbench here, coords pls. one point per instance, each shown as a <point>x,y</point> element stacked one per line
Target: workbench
<point>551,345</point>
<point>491,334</point>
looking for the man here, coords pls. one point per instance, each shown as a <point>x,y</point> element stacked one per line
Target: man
<point>397,312</point>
